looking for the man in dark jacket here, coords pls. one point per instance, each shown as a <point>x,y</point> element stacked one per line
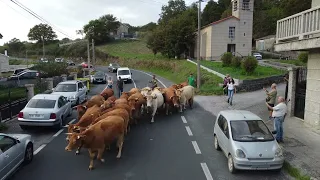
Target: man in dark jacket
<point>120,86</point>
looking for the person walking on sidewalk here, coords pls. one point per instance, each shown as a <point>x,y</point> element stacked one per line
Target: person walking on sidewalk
<point>231,90</point>
<point>271,98</point>
<point>120,86</point>
<point>192,81</point>
<point>278,114</point>
<point>225,82</point>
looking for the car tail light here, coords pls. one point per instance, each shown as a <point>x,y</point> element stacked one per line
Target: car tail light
<point>20,115</point>
<point>53,116</point>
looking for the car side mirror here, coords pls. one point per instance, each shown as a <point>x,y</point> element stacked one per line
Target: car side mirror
<point>18,141</point>
<point>274,132</point>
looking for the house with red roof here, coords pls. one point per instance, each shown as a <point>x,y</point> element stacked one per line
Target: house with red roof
<point>231,34</point>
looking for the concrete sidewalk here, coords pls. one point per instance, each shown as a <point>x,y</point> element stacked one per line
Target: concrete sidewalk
<point>301,142</point>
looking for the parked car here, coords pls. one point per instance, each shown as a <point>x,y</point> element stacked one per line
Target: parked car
<point>27,74</point>
<point>58,60</point>
<point>246,141</point>
<point>99,77</point>
<point>125,74</point>
<point>113,67</point>
<point>85,65</point>
<point>70,63</point>
<point>258,56</point>
<point>17,71</point>
<point>75,91</point>
<point>43,60</point>
<point>45,110</point>
<point>15,150</point>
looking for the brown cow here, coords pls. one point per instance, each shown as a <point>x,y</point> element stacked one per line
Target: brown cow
<point>111,99</point>
<point>98,136</point>
<point>124,95</point>
<point>81,109</point>
<point>121,101</point>
<point>183,84</point>
<point>116,112</point>
<point>94,100</point>
<point>171,99</point>
<point>133,91</point>
<point>135,102</point>
<point>106,93</point>
<point>123,106</point>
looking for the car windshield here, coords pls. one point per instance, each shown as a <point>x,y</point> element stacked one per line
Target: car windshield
<point>250,131</point>
<point>123,72</point>
<point>66,88</point>
<point>99,74</point>
<point>41,103</point>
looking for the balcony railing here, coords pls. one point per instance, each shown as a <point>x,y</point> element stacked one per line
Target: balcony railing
<point>299,26</point>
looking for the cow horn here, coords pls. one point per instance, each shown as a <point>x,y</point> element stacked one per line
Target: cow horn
<point>66,125</point>
<point>68,133</point>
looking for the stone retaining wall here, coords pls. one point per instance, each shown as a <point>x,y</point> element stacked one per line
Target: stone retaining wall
<point>258,84</point>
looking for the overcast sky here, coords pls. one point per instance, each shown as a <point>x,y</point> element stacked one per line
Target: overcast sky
<point>70,15</point>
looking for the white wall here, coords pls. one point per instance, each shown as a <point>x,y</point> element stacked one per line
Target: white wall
<point>4,63</point>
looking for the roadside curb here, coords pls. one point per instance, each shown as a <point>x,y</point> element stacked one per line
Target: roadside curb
<point>296,172</point>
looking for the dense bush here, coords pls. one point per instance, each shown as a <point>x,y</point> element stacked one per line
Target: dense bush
<point>236,61</point>
<point>226,59</point>
<point>51,69</point>
<point>249,64</point>
<point>303,57</point>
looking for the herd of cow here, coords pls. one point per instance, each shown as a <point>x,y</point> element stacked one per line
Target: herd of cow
<point>104,118</point>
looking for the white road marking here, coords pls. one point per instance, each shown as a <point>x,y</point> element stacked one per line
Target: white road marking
<point>184,119</point>
<point>59,132</point>
<point>196,147</point>
<point>189,131</point>
<point>39,149</point>
<point>135,86</point>
<point>151,76</point>
<point>73,120</point>
<point>206,171</point>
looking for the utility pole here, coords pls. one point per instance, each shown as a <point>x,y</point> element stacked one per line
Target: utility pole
<point>88,48</point>
<point>27,58</point>
<point>198,47</point>
<point>43,53</point>
<point>93,53</point>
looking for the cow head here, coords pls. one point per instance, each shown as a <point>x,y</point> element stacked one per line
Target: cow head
<point>107,104</point>
<point>132,103</point>
<point>74,140</point>
<point>150,99</point>
<point>72,128</point>
<point>81,109</point>
<point>124,95</point>
<point>179,93</point>
<point>175,100</point>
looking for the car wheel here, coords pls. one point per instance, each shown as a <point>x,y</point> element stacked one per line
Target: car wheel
<point>231,167</point>
<point>23,127</point>
<point>216,143</point>
<point>78,102</point>
<point>28,155</point>
<point>70,112</point>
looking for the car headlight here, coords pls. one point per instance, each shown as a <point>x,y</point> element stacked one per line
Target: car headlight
<point>278,153</point>
<point>72,97</point>
<point>240,153</point>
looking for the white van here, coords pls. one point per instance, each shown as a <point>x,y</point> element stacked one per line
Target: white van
<point>125,74</point>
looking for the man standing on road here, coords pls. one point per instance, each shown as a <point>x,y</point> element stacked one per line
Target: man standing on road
<point>278,114</point>
<point>120,86</point>
<point>191,80</point>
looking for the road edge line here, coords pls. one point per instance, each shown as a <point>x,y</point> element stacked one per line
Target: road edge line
<point>151,76</point>
<point>39,149</point>
<point>184,120</point>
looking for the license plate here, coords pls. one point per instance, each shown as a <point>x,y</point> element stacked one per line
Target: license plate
<point>36,115</point>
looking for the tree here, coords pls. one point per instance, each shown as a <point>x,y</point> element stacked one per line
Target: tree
<point>42,32</point>
<point>65,40</point>
<point>212,12</point>
<point>80,32</point>
<point>110,22</point>
<point>15,46</point>
<point>173,9</point>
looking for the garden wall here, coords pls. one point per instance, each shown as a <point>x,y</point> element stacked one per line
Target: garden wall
<point>258,84</point>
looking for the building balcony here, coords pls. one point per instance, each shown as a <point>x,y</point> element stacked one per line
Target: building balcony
<point>299,32</point>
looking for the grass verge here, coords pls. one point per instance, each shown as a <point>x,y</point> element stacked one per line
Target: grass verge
<point>293,62</point>
<point>136,55</point>
<point>20,62</point>
<point>239,73</point>
<point>294,172</point>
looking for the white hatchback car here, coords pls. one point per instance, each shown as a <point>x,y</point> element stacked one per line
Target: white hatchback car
<point>125,74</point>
<point>246,141</point>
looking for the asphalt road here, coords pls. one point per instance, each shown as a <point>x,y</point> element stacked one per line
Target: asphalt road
<point>175,147</point>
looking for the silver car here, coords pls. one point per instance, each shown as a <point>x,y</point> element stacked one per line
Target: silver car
<point>15,149</point>
<point>246,141</point>
<point>45,110</point>
<point>75,91</point>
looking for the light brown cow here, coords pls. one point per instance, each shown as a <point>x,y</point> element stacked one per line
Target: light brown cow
<point>111,99</point>
<point>186,95</point>
<point>106,93</point>
<point>184,84</point>
<point>116,112</point>
<point>94,100</point>
<point>135,102</point>
<point>133,91</point>
<point>98,136</point>
<point>171,99</point>
<point>121,101</point>
<point>124,95</point>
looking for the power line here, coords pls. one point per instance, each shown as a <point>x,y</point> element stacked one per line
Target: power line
<point>38,17</point>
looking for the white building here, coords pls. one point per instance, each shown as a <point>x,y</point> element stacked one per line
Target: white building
<point>231,34</point>
<point>301,32</point>
<point>266,43</point>
<point>4,63</point>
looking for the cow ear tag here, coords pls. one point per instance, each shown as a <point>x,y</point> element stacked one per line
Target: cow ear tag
<point>78,137</point>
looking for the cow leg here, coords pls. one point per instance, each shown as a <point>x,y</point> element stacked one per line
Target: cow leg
<point>92,155</point>
<point>153,113</point>
<point>100,154</point>
<point>167,108</point>
<point>120,145</point>
<point>191,103</point>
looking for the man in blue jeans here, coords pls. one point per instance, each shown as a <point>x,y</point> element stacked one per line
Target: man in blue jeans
<point>278,115</point>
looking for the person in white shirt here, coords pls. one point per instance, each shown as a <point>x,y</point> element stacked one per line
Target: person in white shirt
<point>231,90</point>
<point>110,83</point>
<point>278,115</point>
